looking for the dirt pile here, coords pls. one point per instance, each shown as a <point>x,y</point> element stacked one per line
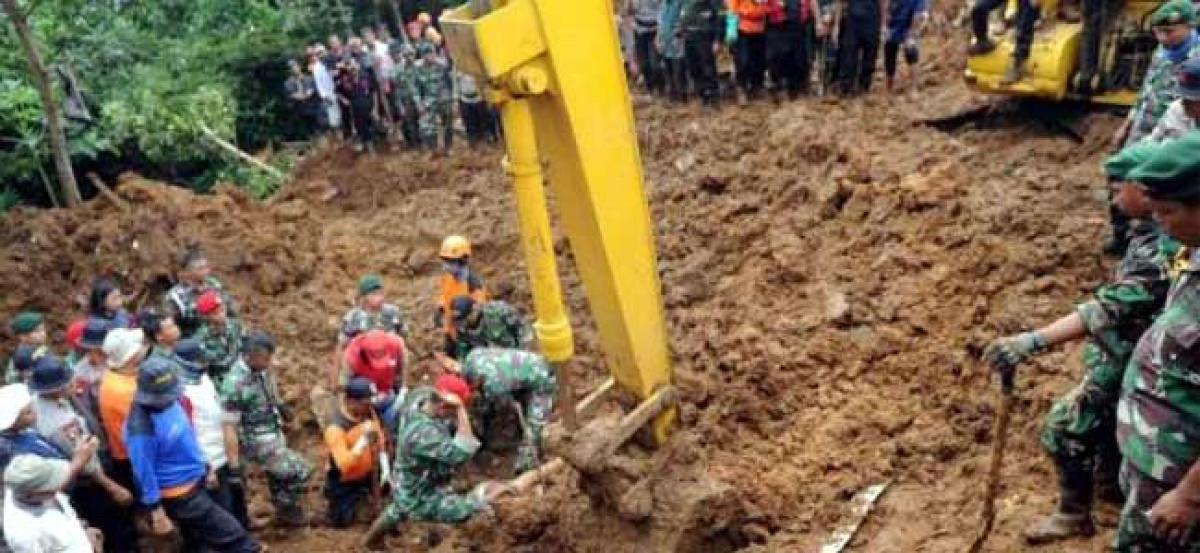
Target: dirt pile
<point>831,272</point>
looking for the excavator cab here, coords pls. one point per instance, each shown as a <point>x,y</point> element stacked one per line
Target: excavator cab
<point>1052,71</point>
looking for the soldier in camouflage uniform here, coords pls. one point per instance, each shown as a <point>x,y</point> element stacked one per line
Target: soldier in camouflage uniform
<point>30,330</point>
<point>195,277</point>
<point>434,439</point>
<point>404,92</point>
<point>511,379</point>
<point>432,95</point>
<point>220,336</point>
<point>1079,430</point>
<point>251,400</point>
<point>1178,41</point>
<point>489,324</point>
<point>372,313</point>
<point>1158,415</point>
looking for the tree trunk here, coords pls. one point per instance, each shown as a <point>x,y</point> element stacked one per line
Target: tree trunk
<point>58,137</point>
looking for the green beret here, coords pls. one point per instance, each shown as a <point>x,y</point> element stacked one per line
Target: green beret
<point>1118,165</point>
<point>369,283</point>
<point>1174,12</point>
<point>25,322</point>
<point>1173,170</point>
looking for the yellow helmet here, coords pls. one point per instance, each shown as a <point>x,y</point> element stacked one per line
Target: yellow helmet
<point>455,247</point>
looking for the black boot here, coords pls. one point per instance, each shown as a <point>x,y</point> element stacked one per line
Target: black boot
<point>1073,518</point>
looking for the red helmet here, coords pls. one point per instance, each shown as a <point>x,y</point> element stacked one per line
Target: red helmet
<point>453,384</point>
<point>75,333</point>
<point>208,302</point>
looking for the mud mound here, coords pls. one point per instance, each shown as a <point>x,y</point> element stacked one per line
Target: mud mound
<point>831,272</point>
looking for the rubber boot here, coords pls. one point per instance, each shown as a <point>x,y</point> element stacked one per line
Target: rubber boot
<point>373,539</point>
<point>981,47</point>
<point>1073,518</point>
<point>1015,73</point>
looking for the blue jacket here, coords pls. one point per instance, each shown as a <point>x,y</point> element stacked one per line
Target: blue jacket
<point>163,450</point>
<point>26,442</point>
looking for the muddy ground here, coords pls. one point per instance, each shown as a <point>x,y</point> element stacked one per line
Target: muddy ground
<point>831,271</point>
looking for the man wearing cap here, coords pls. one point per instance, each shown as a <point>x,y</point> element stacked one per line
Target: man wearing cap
<point>170,467</point>
<point>371,313</point>
<point>1173,26</point>
<point>1158,415</point>
<point>37,516</point>
<point>489,324</point>
<point>435,438</point>
<point>216,435</point>
<point>74,336</point>
<point>1079,429</point>
<point>220,335</point>
<point>62,420</point>
<point>30,330</point>
<point>355,441</point>
<point>89,369</point>
<point>378,356</point>
<point>251,400</point>
<point>1182,114</point>
<point>124,350</point>
<point>195,278</point>
<point>19,437</point>
<point>503,379</point>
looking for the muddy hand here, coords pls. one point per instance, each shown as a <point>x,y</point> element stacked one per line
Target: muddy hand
<point>1004,354</point>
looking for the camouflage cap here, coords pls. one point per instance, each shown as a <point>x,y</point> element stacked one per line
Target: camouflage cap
<point>1173,170</point>
<point>1118,165</point>
<point>1174,12</point>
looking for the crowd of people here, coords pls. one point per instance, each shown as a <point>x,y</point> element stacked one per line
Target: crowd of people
<point>144,429</point>
<point>1129,433</point>
<point>672,45</point>
<point>373,86</point>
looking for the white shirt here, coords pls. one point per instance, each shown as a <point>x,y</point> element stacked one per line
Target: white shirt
<point>324,82</point>
<point>207,416</point>
<point>44,529</point>
<point>1173,124</point>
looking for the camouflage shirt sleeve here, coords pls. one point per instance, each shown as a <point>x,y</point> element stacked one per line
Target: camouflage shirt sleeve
<point>232,398</point>
<point>434,446</point>
<point>1137,292</point>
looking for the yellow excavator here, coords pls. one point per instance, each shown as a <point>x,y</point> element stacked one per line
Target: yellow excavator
<point>553,68</point>
<point>1052,72</point>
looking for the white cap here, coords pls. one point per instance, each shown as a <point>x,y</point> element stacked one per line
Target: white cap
<point>122,344</point>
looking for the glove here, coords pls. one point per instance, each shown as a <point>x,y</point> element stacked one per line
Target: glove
<point>1004,354</point>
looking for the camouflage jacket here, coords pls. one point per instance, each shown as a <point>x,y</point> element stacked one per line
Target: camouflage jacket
<point>1159,89</point>
<point>427,449</point>
<point>1158,416</point>
<point>404,83</point>
<point>500,326</point>
<point>180,302</point>
<point>429,80</point>
<point>1124,307</point>
<point>252,398</point>
<point>221,348</point>
<point>359,320</point>
<point>500,373</point>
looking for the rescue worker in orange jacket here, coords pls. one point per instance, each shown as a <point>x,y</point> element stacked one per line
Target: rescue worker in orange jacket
<point>457,279</point>
<point>750,50</point>
<point>355,440</point>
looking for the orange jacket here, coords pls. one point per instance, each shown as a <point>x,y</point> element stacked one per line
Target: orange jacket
<point>752,15</point>
<point>115,400</point>
<point>340,437</point>
<point>450,288</point>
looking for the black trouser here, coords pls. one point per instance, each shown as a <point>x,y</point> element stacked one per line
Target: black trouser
<point>363,124</point>
<point>94,505</point>
<point>891,51</point>
<point>344,497</point>
<point>787,56</point>
<point>677,81</point>
<point>204,524</point>
<point>231,497</point>
<point>702,63</point>
<point>750,61</point>
<point>648,60</point>
<point>477,118</point>
<point>1089,47</point>
<point>858,47</point>
<point>1027,15</point>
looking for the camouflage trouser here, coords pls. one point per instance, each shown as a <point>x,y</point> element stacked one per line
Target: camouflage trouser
<point>287,471</point>
<point>424,502</point>
<point>1080,428</point>
<point>431,123</point>
<point>1134,533</point>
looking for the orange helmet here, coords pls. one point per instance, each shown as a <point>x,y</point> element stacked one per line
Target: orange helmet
<point>455,247</point>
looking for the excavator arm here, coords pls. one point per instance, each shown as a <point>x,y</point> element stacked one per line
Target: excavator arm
<point>554,69</point>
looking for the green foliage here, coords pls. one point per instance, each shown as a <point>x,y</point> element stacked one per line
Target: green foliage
<point>8,199</point>
<point>155,75</point>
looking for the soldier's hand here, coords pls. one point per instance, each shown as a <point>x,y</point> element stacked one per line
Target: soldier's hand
<point>1174,518</point>
<point>1008,352</point>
